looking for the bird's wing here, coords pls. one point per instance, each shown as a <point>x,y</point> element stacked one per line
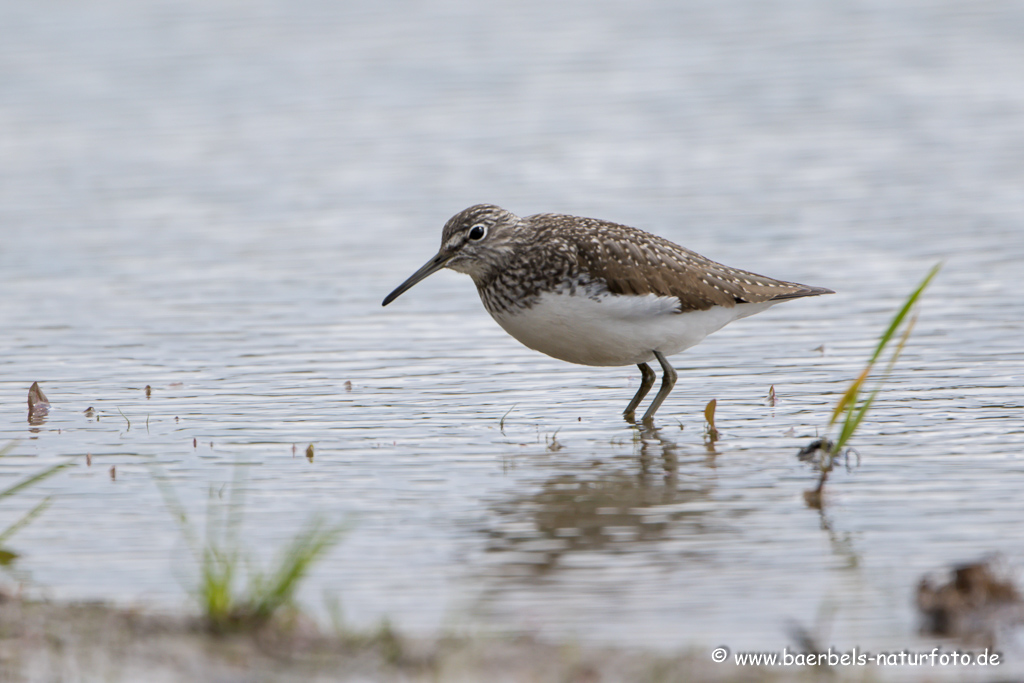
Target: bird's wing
<point>631,261</point>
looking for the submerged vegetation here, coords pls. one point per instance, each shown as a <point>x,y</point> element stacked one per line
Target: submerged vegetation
<point>232,592</point>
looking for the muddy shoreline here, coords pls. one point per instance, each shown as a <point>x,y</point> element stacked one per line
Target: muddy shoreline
<point>48,641</point>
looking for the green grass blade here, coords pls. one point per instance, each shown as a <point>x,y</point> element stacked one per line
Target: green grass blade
<point>296,560</point>
<point>34,479</point>
<point>231,591</point>
<point>908,304</point>
<point>178,512</point>
<point>849,397</point>
<point>856,410</point>
<point>853,420</point>
<point>901,345</point>
<point>25,519</point>
<point>856,414</point>
<point>235,514</point>
<point>845,433</point>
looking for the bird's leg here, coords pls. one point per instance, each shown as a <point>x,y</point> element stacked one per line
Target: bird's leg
<point>668,380</point>
<point>647,377</point>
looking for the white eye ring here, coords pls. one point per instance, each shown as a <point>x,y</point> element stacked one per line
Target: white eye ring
<point>478,232</point>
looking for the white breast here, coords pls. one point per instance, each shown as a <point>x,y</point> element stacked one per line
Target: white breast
<point>615,329</point>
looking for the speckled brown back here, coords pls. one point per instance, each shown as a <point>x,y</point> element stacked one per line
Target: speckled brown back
<point>631,261</point>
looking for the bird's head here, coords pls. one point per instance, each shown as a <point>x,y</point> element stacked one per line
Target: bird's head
<point>475,241</point>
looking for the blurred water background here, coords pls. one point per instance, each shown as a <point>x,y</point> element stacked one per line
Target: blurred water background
<point>212,198</point>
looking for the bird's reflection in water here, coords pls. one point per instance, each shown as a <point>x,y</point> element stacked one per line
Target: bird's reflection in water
<point>607,507</point>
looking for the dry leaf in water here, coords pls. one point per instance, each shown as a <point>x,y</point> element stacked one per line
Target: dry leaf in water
<point>38,404</point>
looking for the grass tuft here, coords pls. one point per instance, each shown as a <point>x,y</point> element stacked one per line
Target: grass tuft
<point>851,404</point>
<point>232,592</point>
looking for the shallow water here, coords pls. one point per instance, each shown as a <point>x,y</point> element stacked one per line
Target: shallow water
<point>213,198</point>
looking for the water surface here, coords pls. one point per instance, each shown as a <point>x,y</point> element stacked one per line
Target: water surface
<point>212,200</point>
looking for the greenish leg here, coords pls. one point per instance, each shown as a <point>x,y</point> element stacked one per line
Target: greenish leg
<point>647,377</point>
<point>668,380</point>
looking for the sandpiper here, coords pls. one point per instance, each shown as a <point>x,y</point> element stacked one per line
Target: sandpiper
<point>592,292</point>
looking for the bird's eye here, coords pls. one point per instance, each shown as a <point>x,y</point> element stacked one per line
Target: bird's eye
<point>477,232</point>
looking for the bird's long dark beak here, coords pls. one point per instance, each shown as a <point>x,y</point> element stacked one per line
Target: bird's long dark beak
<point>429,268</point>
